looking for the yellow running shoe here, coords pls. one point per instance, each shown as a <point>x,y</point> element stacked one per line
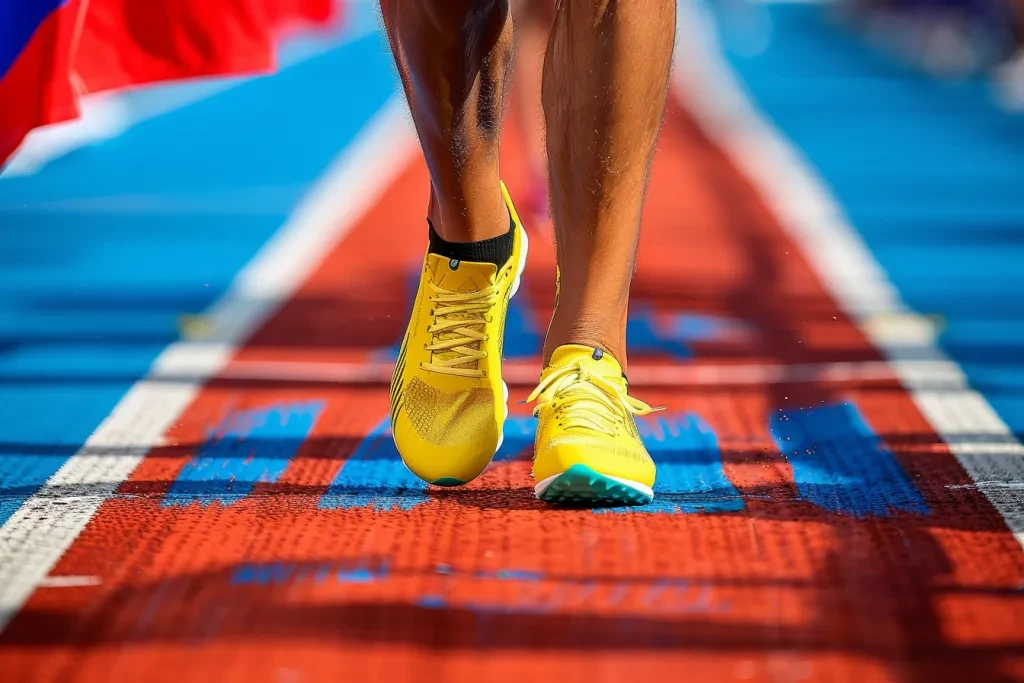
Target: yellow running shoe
<point>448,401</point>
<point>588,450</point>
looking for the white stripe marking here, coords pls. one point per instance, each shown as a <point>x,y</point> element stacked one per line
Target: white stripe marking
<point>36,536</point>
<point>980,440</point>
<point>640,375</point>
<point>70,581</point>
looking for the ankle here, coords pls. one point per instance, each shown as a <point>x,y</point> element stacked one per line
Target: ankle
<point>608,338</point>
<point>460,220</point>
<point>497,250</point>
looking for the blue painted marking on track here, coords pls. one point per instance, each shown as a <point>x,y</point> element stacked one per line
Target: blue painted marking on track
<point>249,447</point>
<point>519,434</point>
<point>656,590</point>
<point>440,602</point>
<point>666,596</point>
<point>929,173</point>
<point>374,476</point>
<point>355,576</point>
<point>688,328</point>
<point>847,471</point>
<point>690,474</point>
<point>645,335</point>
<point>674,334</point>
<point>840,465</point>
<point>278,573</point>
<point>523,337</point>
<point>697,327</point>
<point>432,602</point>
<point>103,250</point>
<point>691,478</point>
<point>264,574</point>
<point>359,571</point>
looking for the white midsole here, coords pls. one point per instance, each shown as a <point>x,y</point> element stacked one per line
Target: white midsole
<point>542,486</point>
<point>522,263</point>
<point>520,267</point>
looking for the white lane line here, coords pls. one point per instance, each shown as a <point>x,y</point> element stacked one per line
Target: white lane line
<point>525,373</point>
<point>70,581</point>
<point>35,537</point>
<point>980,440</point>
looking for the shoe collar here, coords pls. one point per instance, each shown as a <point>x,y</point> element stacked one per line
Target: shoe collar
<point>593,359</point>
<point>460,276</point>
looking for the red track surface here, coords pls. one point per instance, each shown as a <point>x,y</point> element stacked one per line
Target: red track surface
<point>485,583</point>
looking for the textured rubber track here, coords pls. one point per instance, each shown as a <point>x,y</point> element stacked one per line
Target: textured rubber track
<point>804,527</point>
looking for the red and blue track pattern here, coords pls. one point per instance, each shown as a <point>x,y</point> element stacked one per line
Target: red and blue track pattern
<point>810,524</point>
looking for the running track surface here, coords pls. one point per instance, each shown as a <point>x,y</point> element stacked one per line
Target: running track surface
<point>243,515</point>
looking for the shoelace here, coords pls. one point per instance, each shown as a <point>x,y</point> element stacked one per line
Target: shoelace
<point>584,400</point>
<point>458,313</point>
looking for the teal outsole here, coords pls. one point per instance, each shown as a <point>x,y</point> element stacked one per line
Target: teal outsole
<point>447,481</point>
<point>581,486</point>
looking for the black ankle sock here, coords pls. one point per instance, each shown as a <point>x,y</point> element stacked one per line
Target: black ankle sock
<point>496,250</point>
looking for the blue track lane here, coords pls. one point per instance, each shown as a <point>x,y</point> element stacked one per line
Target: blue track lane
<point>929,172</point>
<point>103,250</point>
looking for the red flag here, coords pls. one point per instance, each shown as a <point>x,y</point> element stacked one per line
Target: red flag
<point>86,46</point>
<point>36,89</point>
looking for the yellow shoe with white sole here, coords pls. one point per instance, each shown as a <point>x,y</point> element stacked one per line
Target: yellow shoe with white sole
<point>588,450</point>
<point>448,401</point>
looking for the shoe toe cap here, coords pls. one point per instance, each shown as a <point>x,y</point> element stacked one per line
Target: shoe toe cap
<point>610,459</point>
<point>451,463</point>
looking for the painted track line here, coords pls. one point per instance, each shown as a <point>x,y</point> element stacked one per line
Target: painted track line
<point>976,435</point>
<point>70,581</point>
<point>675,376</point>
<point>36,536</point>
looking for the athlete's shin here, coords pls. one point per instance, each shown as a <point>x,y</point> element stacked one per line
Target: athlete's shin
<point>605,85</point>
<point>454,58</point>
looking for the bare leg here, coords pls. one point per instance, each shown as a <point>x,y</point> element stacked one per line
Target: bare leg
<point>454,58</point>
<point>605,85</point>
<point>533,21</point>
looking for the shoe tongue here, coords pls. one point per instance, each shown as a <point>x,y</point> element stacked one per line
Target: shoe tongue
<point>595,360</point>
<point>460,276</point>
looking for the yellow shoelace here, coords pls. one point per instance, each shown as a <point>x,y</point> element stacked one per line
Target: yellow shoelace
<point>454,317</point>
<point>583,400</point>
